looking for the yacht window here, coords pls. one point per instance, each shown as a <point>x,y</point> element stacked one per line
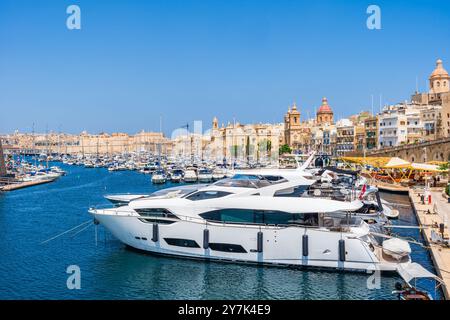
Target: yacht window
<point>160,221</point>
<point>265,217</point>
<point>297,191</point>
<point>181,242</point>
<point>204,195</point>
<point>227,247</point>
<point>274,178</point>
<point>244,181</point>
<point>155,212</point>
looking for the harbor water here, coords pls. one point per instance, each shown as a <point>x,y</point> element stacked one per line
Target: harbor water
<point>31,269</point>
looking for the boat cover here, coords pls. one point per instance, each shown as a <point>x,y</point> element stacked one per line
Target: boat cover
<point>396,246</point>
<point>413,270</point>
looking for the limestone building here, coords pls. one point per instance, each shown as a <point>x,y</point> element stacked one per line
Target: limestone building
<point>439,95</point>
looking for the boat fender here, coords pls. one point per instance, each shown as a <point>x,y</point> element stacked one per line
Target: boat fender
<point>342,250</point>
<point>205,239</point>
<point>260,242</point>
<point>155,236</point>
<point>305,245</point>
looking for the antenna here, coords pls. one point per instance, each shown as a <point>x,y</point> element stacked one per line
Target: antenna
<point>380,101</point>
<point>372,103</point>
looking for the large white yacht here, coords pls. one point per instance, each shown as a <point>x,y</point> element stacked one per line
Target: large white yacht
<point>255,219</point>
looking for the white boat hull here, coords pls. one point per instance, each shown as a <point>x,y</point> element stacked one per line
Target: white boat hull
<point>281,245</point>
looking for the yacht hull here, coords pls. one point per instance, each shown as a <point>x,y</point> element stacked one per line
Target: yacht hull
<point>281,246</point>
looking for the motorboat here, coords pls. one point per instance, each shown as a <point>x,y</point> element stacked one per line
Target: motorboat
<point>244,219</point>
<point>204,176</point>
<point>176,175</point>
<point>179,191</point>
<point>159,176</point>
<point>411,274</point>
<point>218,174</point>
<point>190,176</point>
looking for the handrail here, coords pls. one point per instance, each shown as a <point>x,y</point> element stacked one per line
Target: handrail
<point>133,214</point>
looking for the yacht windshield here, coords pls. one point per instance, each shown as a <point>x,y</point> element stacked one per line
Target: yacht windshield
<point>181,190</point>
<point>244,181</point>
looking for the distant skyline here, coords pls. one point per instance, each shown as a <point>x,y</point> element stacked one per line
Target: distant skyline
<point>134,61</point>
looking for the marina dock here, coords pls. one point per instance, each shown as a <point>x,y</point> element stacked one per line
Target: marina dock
<point>430,216</point>
<point>20,185</point>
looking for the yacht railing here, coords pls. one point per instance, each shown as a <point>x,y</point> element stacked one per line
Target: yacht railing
<point>345,220</point>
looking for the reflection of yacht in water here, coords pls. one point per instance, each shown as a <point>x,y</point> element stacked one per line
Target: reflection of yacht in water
<point>267,219</point>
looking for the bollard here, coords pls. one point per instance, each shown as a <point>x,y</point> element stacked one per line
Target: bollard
<point>429,199</point>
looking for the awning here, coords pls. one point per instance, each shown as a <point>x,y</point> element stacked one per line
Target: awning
<point>396,162</point>
<point>413,270</point>
<point>379,162</point>
<point>426,167</point>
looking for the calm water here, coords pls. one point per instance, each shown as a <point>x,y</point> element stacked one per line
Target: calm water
<point>31,270</point>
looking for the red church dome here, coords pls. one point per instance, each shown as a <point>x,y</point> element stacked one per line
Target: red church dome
<point>325,108</point>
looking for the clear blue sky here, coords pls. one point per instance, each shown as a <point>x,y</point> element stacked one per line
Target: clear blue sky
<point>133,61</point>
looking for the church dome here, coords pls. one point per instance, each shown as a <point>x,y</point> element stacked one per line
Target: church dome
<point>439,71</point>
<point>325,108</point>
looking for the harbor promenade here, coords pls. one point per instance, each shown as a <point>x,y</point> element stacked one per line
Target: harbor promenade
<point>430,216</point>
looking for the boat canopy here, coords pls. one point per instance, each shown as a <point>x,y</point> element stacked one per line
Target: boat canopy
<point>393,163</point>
<point>426,167</point>
<point>413,270</point>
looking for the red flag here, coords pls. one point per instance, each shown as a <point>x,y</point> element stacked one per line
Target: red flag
<point>363,190</point>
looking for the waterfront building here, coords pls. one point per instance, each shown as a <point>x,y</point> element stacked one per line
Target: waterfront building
<point>371,132</point>
<point>345,137</point>
<point>438,95</point>
<point>317,134</point>
<point>235,141</point>
<point>89,144</point>
<point>2,161</point>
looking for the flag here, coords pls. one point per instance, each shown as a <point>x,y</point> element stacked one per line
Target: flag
<point>363,190</point>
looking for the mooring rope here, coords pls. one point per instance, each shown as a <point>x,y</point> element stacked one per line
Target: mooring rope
<point>79,231</point>
<point>67,231</point>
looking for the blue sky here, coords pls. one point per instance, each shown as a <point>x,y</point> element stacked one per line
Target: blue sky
<point>134,61</point>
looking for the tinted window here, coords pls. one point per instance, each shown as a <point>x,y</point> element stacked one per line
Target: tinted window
<point>182,242</point>
<point>266,217</point>
<point>227,247</point>
<point>291,192</point>
<point>155,212</point>
<point>203,195</point>
<point>160,221</point>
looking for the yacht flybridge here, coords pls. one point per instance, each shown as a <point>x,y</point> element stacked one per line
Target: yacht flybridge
<point>255,219</point>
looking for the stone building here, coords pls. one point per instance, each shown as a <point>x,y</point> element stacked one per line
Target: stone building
<point>371,133</point>
<point>257,142</point>
<point>438,94</point>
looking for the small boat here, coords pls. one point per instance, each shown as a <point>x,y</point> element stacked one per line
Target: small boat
<point>218,174</point>
<point>190,176</point>
<point>204,175</point>
<point>159,176</point>
<point>176,175</point>
<point>414,271</point>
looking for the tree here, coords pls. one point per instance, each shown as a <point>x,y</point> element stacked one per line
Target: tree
<point>285,149</point>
